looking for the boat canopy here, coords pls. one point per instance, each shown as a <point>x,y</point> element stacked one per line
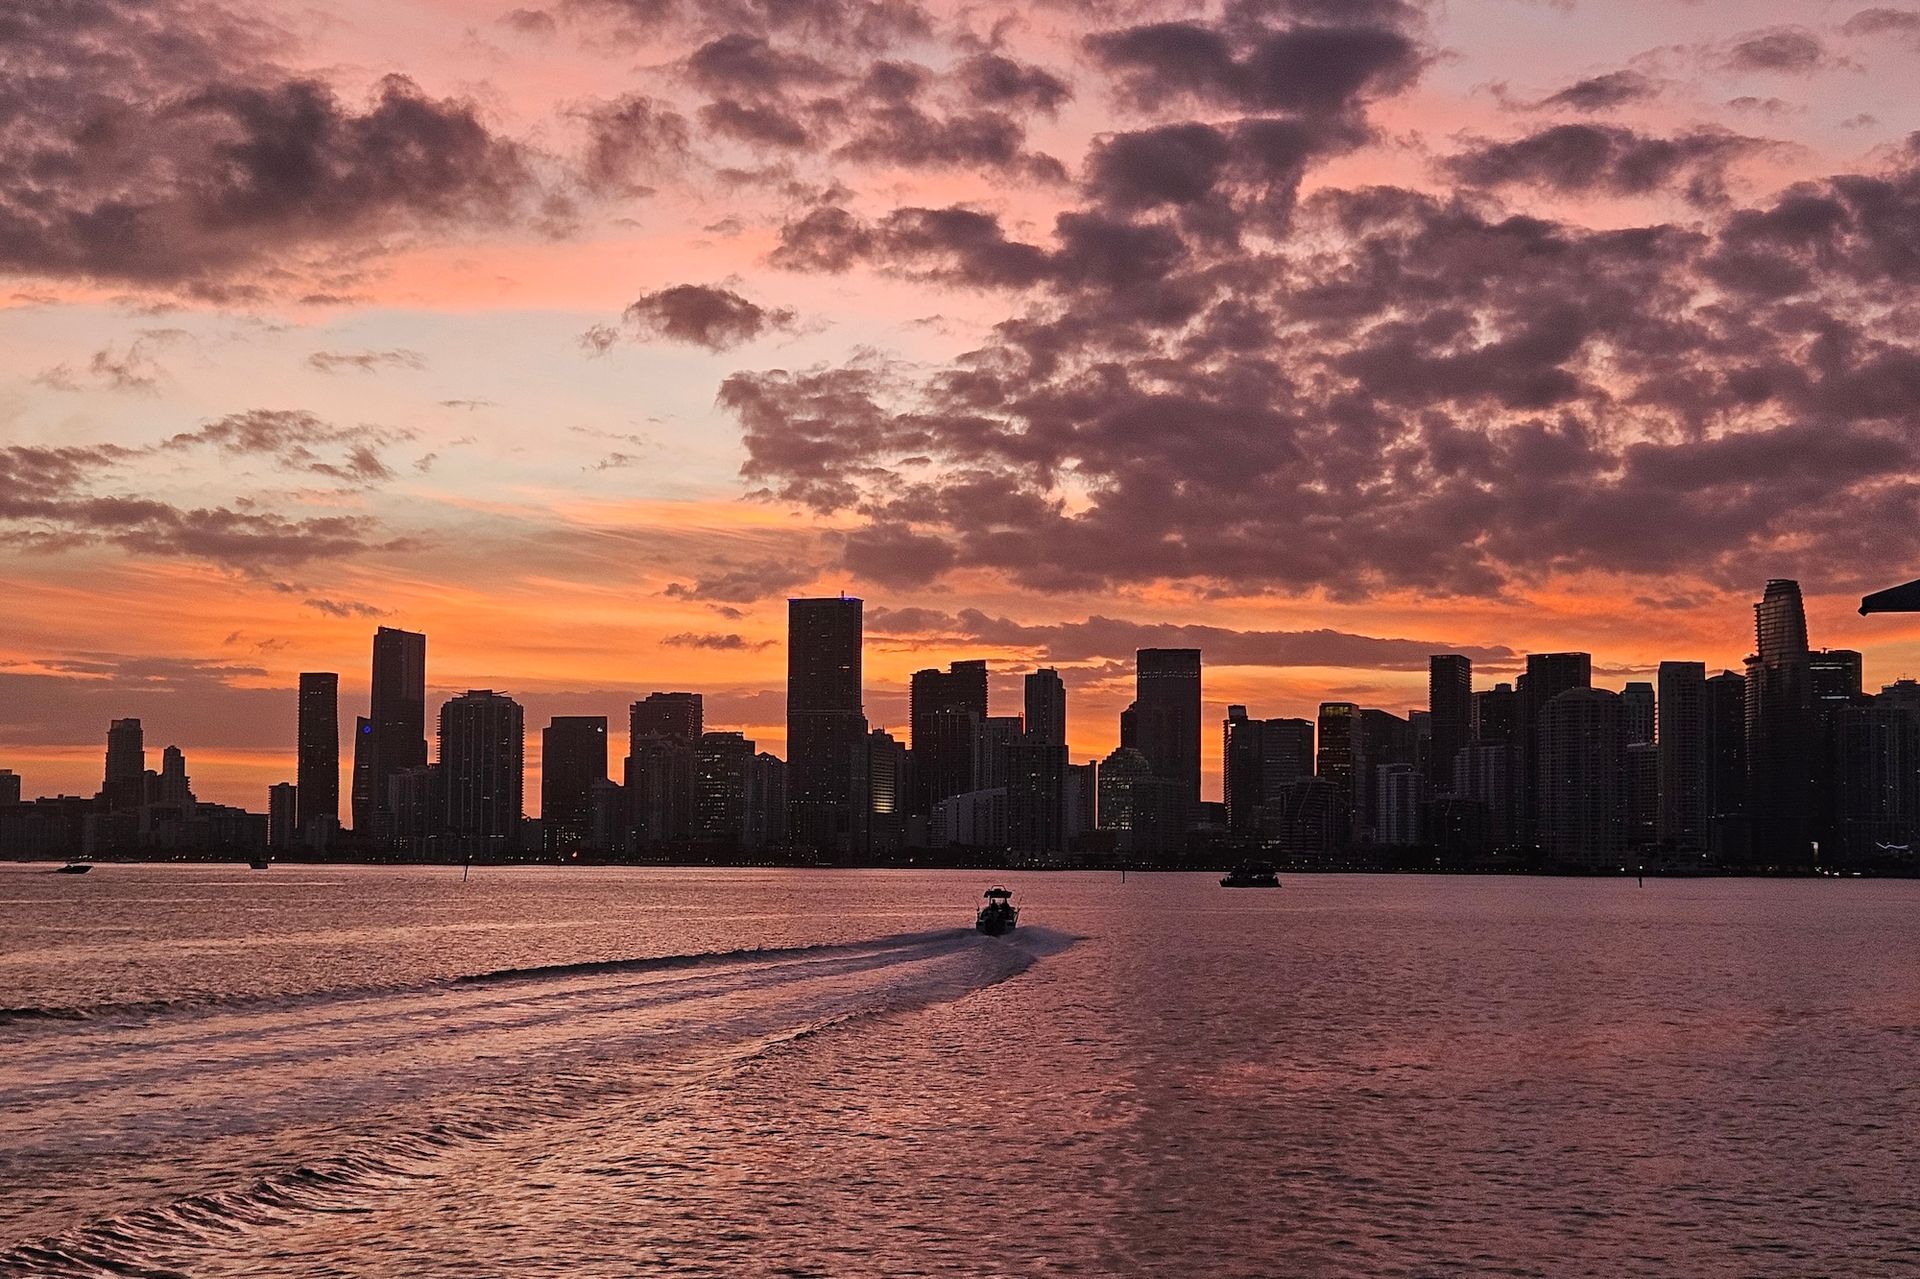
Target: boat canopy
<point>999,892</point>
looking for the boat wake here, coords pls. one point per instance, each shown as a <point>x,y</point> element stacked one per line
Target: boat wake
<point>143,1145</point>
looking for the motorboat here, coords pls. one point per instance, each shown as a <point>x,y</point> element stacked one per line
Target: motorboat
<point>999,915</point>
<point>1251,875</point>
<point>73,868</point>
<point>259,863</point>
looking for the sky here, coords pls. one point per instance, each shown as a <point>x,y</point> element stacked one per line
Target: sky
<point>1320,334</point>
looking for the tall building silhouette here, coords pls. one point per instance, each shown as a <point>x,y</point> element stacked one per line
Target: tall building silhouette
<point>722,768</point>
<point>399,713</point>
<point>9,787</point>
<point>1726,716</point>
<point>947,712</point>
<point>1780,729</point>
<point>1637,703</point>
<point>1337,762</point>
<point>362,794</point>
<point>1547,676</point>
<point>1682,753</point>
<point>1166,709</point>
<point>124,786</point>
<point>483,768</point>
<point>173,787</point>
<point>826,725</point>
<point>1582,778</point>
<point>317,774</point>
<point>681,715</point>
<point>573,760</point>
<point>1450,707</point>
<point>1046,705</point>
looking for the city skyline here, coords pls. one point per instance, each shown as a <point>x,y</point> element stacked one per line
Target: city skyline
<point>570,402</point>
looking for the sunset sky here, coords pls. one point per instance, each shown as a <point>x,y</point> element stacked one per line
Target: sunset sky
<point>581,335</point>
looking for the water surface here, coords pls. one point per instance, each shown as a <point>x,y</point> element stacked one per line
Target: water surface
<point>386,1072</point>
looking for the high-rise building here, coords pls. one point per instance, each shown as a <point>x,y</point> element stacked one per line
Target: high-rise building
<point>1337,762</point>
<point>1780,729</point>
<point>826,725</point>
<point>317,773</point>
<point>1496,715</point>
<point>659,785</point>
<point>1642,773</point>
<point>1876,782</point>
<point>399,713</point>
<point>1483,775</point>
<point>722,763</point>
<point>173,787</point>
<point>1037,794</point>
<point>573,760</point>
<point>889,793</point>
<point>947,712</point>
<point>1397,824</point>
<point>1547,676</point>
<point>681,715</point>
<point>1142,809</point>
<point>766,801</point>
<point>1047,706</point>
<point>9,786</point>
<point>362,796</point>
<point>124,787</point>
<point>1637,703</point>
<point>1167,718</point>
<point>1382,738</point>
<point>1450,707</point>
<point>1682,739</point>
<point>282,809</point>
<point>993,750</point>
<point>483,767</point>
<point>1582,778</point>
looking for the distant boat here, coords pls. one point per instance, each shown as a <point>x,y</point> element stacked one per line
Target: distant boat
<point>74,868</point>
<point>259,863</point>
<point>999,915</point>
<point>1251,875</point>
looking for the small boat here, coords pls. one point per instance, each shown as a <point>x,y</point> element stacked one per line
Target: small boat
<point>1251,875</point>
<point>74,868</point>
<point>999,915</point>
<point>259,863</point>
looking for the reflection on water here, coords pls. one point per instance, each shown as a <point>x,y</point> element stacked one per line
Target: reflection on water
<point>386,1072</point>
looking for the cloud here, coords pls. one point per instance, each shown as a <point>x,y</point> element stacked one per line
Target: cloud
<point>365,361</point>
<point>697,314</point>
<point>1099,638</point>
<point>345,608</point>
<point>1791,50</point>
<point>1608,160</point>
<point>1603,92</point>
<point>716,643</point>
<point>628,138</point>
<point>157,144</point>
<point>292,438</point>
<point>731,582</point>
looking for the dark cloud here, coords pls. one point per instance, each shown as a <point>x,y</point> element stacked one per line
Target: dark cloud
<point>1794,50</point>
<point>296,440</point>
<point>739,62</point>
<point>1099,638</point>
<point>154,143</point>
<point>1607,160</point>
<point>995,80</point>
<point>1309,69</point>
<point>365,361</point>
<point>698,314</point>
<point>1604,92</point>
<point>345,608</point>
<point>730,582</point>
<point>716,643</point>
<point>629,138</point>
<point>1408,391</point>
<point>1884,22</point>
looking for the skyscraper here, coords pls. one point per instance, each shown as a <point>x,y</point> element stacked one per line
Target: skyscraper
<point>681,715</point>
<point>399,713</point>
<point>124,786</point>
<point>947,712</point>
<point>1582,778</point>
<point>573,759</point>
<point>826,726</point>
<point>1337,762</point>
<point>1637,703</point>
<point>1450,705</point>
<point>282,805</point>
<point>9,786</point>
<point>1780,729</point>
<point>1047,706</point>
<point>1726,730</point>
<point>1167,717</point>
<point>362,795</point>
<point>1547,676</point>
<point>722,764</point>
<point>1682,739</point>
<point>317,776</point>
<point>483,768</point>
<point>173,787</point>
